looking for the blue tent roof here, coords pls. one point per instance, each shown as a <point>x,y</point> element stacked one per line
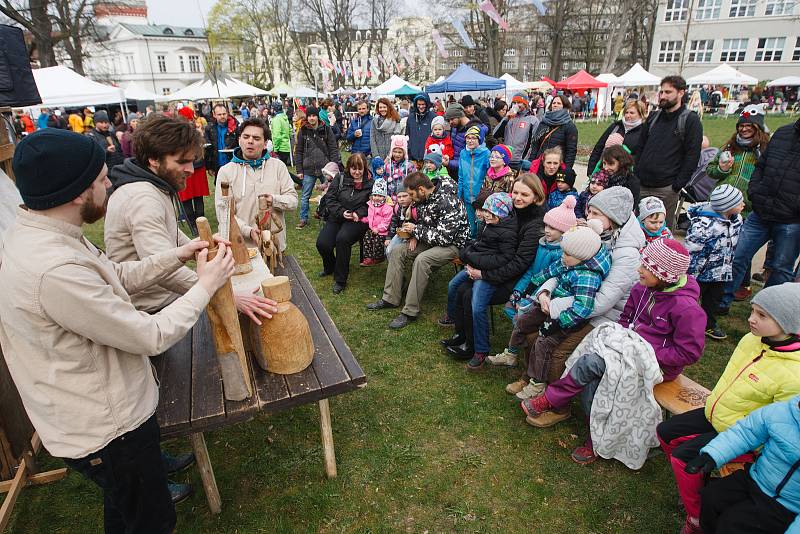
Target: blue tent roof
<point>465,78</point>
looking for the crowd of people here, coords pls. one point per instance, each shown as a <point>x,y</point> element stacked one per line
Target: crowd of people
<point>605,302</point>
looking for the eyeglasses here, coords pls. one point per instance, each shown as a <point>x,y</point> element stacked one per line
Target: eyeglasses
<point>495,156</point>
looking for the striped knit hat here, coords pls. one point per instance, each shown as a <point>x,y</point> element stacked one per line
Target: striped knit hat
<point>667,259</point>
<point>504,151</point>
<point>725,197</point>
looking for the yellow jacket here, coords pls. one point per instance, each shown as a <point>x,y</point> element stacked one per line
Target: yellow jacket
<point>755,376</point>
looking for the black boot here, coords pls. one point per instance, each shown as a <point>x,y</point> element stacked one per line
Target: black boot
<point>456,339</point>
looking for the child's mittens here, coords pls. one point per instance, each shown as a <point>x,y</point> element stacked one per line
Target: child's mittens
<point>549,328</point>
<point>515,297</point>
<point>704,463</point>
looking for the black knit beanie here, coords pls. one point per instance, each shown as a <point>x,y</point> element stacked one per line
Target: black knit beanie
<point>54,166</point>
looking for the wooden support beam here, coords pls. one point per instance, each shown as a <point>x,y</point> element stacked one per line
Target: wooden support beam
<point>327,438</point>
<point>206,472</point>
<point>37,480</point>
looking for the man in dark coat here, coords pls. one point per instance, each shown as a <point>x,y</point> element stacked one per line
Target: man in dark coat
<point>221,134</point>
<point>418,126</point>
<point>101,134</point>
<point>316,147</point>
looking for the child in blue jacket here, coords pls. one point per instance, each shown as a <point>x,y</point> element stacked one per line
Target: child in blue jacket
<point>472,167</point>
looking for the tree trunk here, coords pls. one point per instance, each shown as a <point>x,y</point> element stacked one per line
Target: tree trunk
<point>43,32</point>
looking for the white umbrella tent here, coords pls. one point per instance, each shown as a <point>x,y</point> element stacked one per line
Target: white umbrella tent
<point>637,76</point>
<point>604,93</point>
<point>226,87</point>
<point>62,87</point>
<point>722,75</point>
<point>786,81</point>
<point>392,84</point>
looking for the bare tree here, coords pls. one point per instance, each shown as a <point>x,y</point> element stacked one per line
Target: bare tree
<point>587,27</point>
<point>555,22</point>
<point>34,16</point>
<point>76,27</point>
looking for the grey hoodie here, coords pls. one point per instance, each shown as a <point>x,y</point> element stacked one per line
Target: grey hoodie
<point>518,133</point>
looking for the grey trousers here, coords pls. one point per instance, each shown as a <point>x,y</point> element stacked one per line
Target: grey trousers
<point>587,372</point>
<point>426,259</point>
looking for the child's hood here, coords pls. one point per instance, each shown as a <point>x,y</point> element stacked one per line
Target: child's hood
<point>699,211</point>
<point>547,245</point>
<point>686,287</point>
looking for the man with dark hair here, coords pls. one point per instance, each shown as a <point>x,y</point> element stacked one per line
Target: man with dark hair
<point>101,134</point>
<point>360,128</point>
<point>76,348</point>
<point>221,134</point>
<point>670,146</point>
<point>316,147</point>
<point>418,126</point>
<point>440,230</point>
<point>474,111</point>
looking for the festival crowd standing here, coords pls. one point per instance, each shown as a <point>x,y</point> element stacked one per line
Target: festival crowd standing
<point>316,147</point>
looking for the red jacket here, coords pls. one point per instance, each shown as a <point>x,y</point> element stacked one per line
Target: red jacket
<point>445,144</point>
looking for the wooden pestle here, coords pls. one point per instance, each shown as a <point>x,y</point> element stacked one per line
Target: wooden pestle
<point>240,255</point>
<point>226,331</point>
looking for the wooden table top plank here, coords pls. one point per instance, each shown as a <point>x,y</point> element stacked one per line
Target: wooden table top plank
<point>174,401</point>
<point>270,387</point>
<point>207,393</point>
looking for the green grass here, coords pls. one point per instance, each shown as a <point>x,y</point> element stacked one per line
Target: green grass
<point>425,446</point>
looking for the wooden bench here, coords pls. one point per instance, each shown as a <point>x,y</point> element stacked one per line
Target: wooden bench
<point>680,395</point>
<point>191,397</point>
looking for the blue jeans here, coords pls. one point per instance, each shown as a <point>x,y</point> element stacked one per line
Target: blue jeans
<point>480,297</point>
<point>396,240</point>
<point>309,182</point>
<point>755,233</point>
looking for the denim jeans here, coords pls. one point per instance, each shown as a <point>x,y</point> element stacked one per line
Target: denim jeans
<point>755,233</point>
<point>480,298</point>
<point>309,182</point>
<point>396,240</point>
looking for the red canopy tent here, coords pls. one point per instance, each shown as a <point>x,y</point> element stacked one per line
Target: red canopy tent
<point>580,81</point>
<point>548,80</point>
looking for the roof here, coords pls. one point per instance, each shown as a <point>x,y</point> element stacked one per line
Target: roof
<point>465,78</point>
<point>164,30</point>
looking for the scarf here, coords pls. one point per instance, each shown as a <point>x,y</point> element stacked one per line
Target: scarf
<point>379,203</point>
<point>630,125</point>
<point>383,124</point>
<point>741,141</point>
<point>493,174</point>
<point>238,157</point>
<point>789,344</point>
<point>556,118</point>
<point>657,233</point>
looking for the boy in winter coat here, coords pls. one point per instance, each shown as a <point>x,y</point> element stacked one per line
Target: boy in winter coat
<point>379,217</point>
<point>584,264</point>
<point>398,166</point>
<point>764,368</point>
<point>496,245</point>
<point>598,182</point>
<point>662,309</point>
<point>316,147</point>
<point>377,166</point>
<point>437,172</point>
<point>439,140</point>
<point>711,240</point>
<point>565,186</point>
<point>652,218</point>
<point>472,167</point>
<point>403,211</point>
<point>765,498</point>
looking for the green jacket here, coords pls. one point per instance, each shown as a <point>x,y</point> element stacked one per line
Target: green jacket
<point>281,132</point>
<point>744,163</point>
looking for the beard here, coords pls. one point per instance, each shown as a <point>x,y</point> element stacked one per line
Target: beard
<point>176,178</point>
<point>91,212</point>
<point>665,103</point>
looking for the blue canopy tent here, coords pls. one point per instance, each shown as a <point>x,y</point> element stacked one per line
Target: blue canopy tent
<point>465,78</point>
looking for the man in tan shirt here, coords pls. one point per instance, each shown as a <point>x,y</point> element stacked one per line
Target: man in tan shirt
<point>76,347</point>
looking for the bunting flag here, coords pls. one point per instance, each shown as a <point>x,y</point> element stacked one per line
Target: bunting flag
<point>488,7</point>
<point>375,70</point>
<point>406,56</point>
<point>422,52</point>
<point>459,27</point>
<point>437,38</point>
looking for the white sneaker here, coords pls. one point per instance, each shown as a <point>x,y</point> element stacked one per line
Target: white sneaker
<point>505,358</point>
<point>533,389</point>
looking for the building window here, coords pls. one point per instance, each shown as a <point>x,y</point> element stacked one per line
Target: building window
<point>543,52</point>
<point>700,51</point>
<point>194,63</point>
<point>166,91</point>
<point>543,66</point>
<point>528,51</point>
<point>669,52</point>
<point>510,52</point>
<point>180,64</point>
<point>232,63</point>
<point>743,8</point>
<point>162,63</point>
<point>456,53</point>
<point>708,9</point>
<point>508,65</point>
<point>733,50</point>
<point>779,7</point>
<point>676,10</point>
<point>796,53</point>
<point>130,64</point>
<point>770,48</point>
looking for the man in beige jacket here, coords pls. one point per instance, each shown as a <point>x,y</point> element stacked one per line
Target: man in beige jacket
<point>76,347</point>
<point>252,173</point>
<point>142,212</point>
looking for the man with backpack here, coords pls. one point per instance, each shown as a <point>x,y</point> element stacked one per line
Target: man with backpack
<point>316,147</point>
<point>670,147</point>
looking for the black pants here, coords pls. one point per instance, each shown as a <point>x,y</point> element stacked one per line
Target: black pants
<point>335,244</point>
<point>735,504</point>
<point>710,297</point>
<point>287,160</point>
<point>687,424</point>
<point>194,208</point>
<point>134,482</point>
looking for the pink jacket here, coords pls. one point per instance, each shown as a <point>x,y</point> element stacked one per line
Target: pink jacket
<point>379,218</point>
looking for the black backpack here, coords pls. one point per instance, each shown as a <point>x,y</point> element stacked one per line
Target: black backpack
<point>323,210</point>
<point>651,121</point>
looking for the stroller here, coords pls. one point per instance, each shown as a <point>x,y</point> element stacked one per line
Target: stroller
<point>697,189</point>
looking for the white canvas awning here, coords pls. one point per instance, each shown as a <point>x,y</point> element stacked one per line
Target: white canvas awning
<point>224,88</point>
<point>134,92</point>
<point>722,75</point>
<point>786,81</point>
<point>637,76</point>
<point>392,84</point>
<point>63,87</point>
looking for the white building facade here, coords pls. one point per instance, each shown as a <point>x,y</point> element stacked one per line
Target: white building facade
<point>759,37</point>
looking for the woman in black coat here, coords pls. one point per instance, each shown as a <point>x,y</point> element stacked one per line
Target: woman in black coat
<point>630,128</point>
<point>556,129</point>
<point>345,204</point>
<point>471,339</point>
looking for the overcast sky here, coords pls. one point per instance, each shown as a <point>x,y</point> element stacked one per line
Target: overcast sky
<point>179,12</point>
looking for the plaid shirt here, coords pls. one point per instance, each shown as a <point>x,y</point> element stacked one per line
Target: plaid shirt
<point>581,282</point>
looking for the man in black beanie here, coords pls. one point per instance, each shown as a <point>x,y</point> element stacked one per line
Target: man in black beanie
<point>105,139</point>
<point>76,348</point>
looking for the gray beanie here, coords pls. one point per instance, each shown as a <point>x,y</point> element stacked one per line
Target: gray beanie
<point>454,111</point>
<point>725,197</point>
<point>101,116</point>
<point>615,202</point>
<point>782,303</point>
<point>650,206</point>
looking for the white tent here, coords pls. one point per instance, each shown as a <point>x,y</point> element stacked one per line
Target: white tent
<point>637,76</point>
<point>134,92</point>
<point>514,85</point>
<point>786,81</point>
<point>281,89</point>
<point>305,92</point>
<point>604,93</point>
<point>722,75</point>
<point>392,84</point>
<point>366,90</point>
<point>226,87</point>
<point>60,86</point>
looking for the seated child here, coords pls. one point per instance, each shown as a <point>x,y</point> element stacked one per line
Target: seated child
<point>472,167</point>
<point>711,239</point>
<point>662,308</point>
<point>379,217</point>
<point>564,187</point>
<point>398,166</point>
<point>652,217</point>
<point>556,222</point>
<point>597,183</point>
<point>618,164</point>
<point>403,211</point>
<point>437,172</point>
<point>584,264</point>
<point>764,368</point>
<point>765,498</point>
<point>499,176</point>
<point>439,140</point>
<point>495,245</point>
<point>377,168</point>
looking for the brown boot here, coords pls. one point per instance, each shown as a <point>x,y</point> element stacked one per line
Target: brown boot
<point>515,387</point>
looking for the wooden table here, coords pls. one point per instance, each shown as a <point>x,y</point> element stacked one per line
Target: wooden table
<point>191,398</point>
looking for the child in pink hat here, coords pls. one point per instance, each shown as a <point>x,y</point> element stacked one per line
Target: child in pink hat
<point>398,166</point>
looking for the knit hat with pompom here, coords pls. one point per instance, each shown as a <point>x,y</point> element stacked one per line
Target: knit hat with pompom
<point>563,217</point>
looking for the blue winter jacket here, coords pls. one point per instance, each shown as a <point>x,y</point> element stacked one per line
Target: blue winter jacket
<point>458,137</point>
<point>556,197</point>
<point>418,127</point>
<point>360,144</point>
<point>776,471</point>
<point>711,241</point>
<point>546,254</point>
<point>472,167</point>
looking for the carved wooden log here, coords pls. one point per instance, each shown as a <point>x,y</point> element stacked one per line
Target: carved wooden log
<point>240,256</point>
<point>226,331</point>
